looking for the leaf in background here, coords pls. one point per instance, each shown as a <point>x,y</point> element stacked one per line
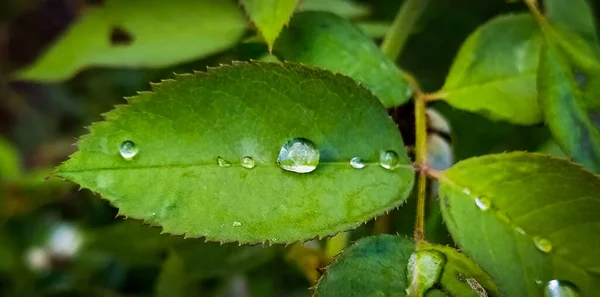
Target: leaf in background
<point>345,8</point>
<point>10,161</point>
<point>527,219</point>
<point>575,16</point>
<point>494,73</point>
<point>173,281</point>
<point>374,29</point>
<point>328,41</point>
<point>372,266</point>
<point>175,157</point>
<point>458,269</point>
<point>140,33</point>
<point>270,16</point>
<point>569,108</point>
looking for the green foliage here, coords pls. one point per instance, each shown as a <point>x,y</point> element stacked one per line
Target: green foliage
<point>372,266</point>
<point>312,141</point>
<point>526,219</point>
<point>327,41</point>
<point>495,71</point>
<point>192,134</point>
<point>270,16</point>
<point>117,33</point>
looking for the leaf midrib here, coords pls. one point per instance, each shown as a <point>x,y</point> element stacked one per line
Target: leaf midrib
<point>489,83</point>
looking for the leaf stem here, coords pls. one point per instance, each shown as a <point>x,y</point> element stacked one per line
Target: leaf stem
<point>405,20</point>
<point>434,96</point>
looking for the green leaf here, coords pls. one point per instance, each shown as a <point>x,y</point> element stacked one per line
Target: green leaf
<point>270,16</point>
<point>372,266</point>
<point>575,16</point>
<point>328,41</point>
<point>186,141</point>
<point>345,8</point>
<point>173,280</point>
<point>494,73</point>
<point>140,33</point>
<point>374,29</point>
<point>570,107</point>
<point>459,271</point>
<point>526,219</point>
<point>10,161</point>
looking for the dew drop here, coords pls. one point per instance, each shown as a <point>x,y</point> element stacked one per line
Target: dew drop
<point>467,191</point>
<point>248,162</point>
<point>236,224</point>
<point>520,230</point>
<point>558,288</point>
<point>223,163</point>
<point>298,155</point>
<point>128,150</point>
<point>357,163</point>
<point>483,203</point>
<point>542,244</point>
<point>538,282</point>
<point>389,160</point>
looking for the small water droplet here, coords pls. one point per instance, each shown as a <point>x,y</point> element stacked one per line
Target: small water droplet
<point>236,224</point>
<point>538,282</point>
<point>520,230</point>
<point>298,155</point>
<point>128,150</point>
<point>467,191</point>
<point>542,244</point>
<point>389,160</point>
<point>357,163</point>
<point>558,288</point>
<point>223,163</point>
<point>248,162</point>
<point>483,203</point>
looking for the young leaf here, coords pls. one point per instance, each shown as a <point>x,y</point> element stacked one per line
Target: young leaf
<point>328,41</point>
<point>494,73</point>
<point>575,16</point>
<point>568,99</point>
<point>270,16</point>
<point>530,220</point>
<point>461,274</point>
<point>199,155</point>
<point>373,266</point>
<point>125,33</point>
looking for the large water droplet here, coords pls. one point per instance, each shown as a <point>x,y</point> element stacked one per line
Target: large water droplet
<point>223,163</point>
<point>248,162</point>
<point>389,160</point>
<point>483,203</point>
<point>357,163</point>
<point>298,155</point>
<point>128,150</point>
<point>542,244</point>
<point>558,288</point>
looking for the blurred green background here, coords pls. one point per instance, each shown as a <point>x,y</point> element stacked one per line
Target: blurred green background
<point>58,241</point>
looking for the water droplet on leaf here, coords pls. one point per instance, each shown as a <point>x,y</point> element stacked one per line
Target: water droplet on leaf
<point>223,163</point>
<point>467,191</point>
<point>558,288</point>
<point>298,155</point>
<point>520,230</point>
<point>128,150</point>
<point>236,224</point>
<point>483,203</point>
<point>248,162</point>
<point>357,163</point>
<point>542,244</point>
<point>389,160</point>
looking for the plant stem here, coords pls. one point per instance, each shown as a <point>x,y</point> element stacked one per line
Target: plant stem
<point>405,20</point>
<point>421,160</point>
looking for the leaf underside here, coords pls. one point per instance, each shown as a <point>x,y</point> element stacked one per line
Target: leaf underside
<point>497,208</point>
<point>249,109</point>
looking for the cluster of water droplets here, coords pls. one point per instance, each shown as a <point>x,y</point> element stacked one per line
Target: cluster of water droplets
<point>298,155</point>
<point>485,204</point>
